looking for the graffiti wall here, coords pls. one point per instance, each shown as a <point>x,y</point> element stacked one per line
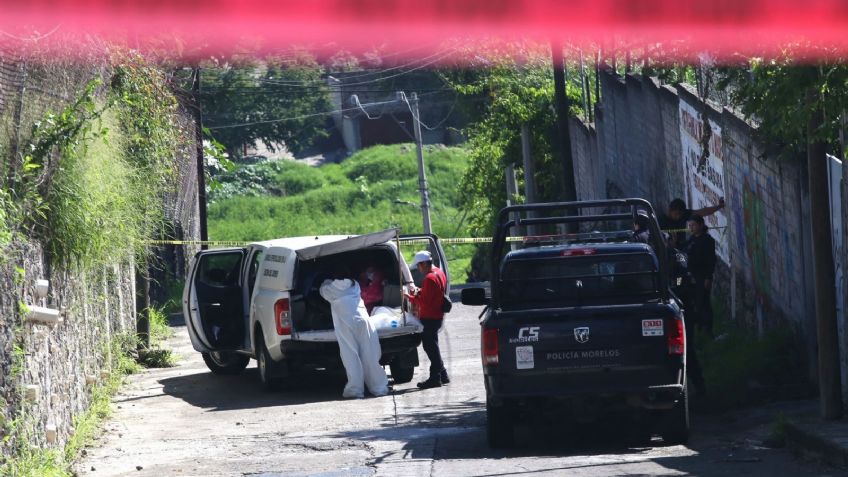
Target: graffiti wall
<point>648,138</point>
<point>704,179</point>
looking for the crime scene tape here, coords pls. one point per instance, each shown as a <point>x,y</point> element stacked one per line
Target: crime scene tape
<point>447,240</point>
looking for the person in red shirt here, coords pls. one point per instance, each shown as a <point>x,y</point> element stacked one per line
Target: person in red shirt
<point>371,282</point>
<point>428,300</point>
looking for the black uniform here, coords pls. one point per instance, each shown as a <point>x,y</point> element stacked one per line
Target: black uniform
<point>667,223</point>
<point>701,259</point>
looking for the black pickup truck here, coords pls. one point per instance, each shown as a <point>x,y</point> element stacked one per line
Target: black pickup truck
<point>582,324</point>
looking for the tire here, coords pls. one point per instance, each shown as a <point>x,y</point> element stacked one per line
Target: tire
<point>223,363</point>
<point>500,425</point>
<point>401,374</point>
<point>675,430</point>
<point>268,368</point>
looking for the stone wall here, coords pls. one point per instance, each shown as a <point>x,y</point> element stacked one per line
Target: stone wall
<point>48,371</point>
<point>62,361</point>
<point>634,150</point>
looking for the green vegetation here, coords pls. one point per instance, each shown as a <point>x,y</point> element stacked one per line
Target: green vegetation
<point>742,369</point>
<point>777,432</point>
<point>157,355</point>
<point>259,93</point>
<point>91,182</point>
<point>782,95</point>
<point>87,179</point>
<point>375,189</point>
<point>518,83</point>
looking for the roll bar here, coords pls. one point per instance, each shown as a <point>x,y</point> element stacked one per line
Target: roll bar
<point>526,214</point>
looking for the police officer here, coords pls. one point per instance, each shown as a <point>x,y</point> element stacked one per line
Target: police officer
<point>678,215</point>
<point>701,256</point>
<point>695,292</point>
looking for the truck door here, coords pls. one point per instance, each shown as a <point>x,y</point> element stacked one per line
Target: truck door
<point>213,301</point>
<point>412,243</point>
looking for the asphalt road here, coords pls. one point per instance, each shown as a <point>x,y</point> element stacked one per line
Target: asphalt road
<point>184,421</point>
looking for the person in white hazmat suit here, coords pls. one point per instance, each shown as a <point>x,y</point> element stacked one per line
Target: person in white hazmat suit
<point>359,344</point>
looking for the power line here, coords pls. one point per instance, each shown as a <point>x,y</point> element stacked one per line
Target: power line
<point>359,75</point>
<point>312,115</point>
<point>247,91</point>
<point>429,128</point>
<point>320,83</point>
<point>293,118</point>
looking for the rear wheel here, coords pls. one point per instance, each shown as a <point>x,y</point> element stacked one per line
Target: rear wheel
<point>224,362</point>
<point>500,425</point>
<point>401,373</point>
<point>268,368</point>
<point>675,429</point>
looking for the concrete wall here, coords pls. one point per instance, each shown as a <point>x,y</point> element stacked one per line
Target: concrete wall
<point>634,150</point>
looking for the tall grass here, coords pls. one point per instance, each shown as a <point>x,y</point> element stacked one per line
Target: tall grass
<point>375,189</point>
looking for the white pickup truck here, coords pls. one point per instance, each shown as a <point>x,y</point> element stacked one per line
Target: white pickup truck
<point>261,301</point>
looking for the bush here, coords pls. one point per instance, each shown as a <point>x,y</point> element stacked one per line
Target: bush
<point>740,368</point>
<point>375,189</point>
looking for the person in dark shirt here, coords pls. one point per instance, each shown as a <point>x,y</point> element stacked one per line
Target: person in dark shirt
<point>678,215</point>
<point>695,292</point>
<point>701,260</point>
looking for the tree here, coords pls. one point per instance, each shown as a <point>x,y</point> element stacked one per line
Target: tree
<point>518,86</point>
<point>274,101</point>
<point>797,108</point>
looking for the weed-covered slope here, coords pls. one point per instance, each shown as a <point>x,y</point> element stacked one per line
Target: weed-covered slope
<point>374,189</point>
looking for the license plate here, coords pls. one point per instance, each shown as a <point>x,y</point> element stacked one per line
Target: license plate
<point>652,328</point>
<point>524,357</point>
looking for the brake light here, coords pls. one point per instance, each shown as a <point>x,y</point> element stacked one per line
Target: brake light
<point>282,317</point>
<point>578,251</point>
<point>490,346</point>
<point>676,335</point>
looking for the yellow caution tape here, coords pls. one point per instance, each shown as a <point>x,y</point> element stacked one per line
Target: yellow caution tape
<point>447,241</point>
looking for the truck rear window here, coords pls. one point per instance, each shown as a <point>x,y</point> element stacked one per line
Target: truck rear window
<point>581,280</point>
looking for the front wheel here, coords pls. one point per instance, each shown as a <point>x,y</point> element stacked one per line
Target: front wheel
<point>675,430</point>
<point>225,362</point>
<point>500,425</point>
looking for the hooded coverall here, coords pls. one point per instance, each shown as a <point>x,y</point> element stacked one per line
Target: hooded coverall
<point>359,344</point>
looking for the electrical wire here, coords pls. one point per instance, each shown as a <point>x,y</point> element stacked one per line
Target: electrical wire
<point>312,115</point>
<point>442,54</point>
<point>293,118</point>
<point>418,118</point>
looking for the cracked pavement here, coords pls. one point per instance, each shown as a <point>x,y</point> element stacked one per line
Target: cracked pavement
<point>184,421</point>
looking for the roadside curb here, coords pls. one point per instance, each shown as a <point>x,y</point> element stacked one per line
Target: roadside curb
<point>825,440</point>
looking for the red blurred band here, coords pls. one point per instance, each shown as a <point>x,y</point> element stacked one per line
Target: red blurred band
<point>679,28</point>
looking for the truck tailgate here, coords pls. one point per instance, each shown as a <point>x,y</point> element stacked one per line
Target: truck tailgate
<point>588,349</point>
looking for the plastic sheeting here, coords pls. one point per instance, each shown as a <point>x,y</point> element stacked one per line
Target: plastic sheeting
<point>359,344</point>
<point>385,317</point>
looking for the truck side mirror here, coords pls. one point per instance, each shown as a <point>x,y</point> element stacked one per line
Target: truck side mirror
<point>474,297</point>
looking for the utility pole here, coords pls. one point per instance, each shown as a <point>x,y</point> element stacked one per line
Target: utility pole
<point>511,192</point>
<point>529,173</point>
<point>412,103</point>
<point>201,170</point>
<point>422,174</point>
<point>569,190</point>
<point>830,387</point>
